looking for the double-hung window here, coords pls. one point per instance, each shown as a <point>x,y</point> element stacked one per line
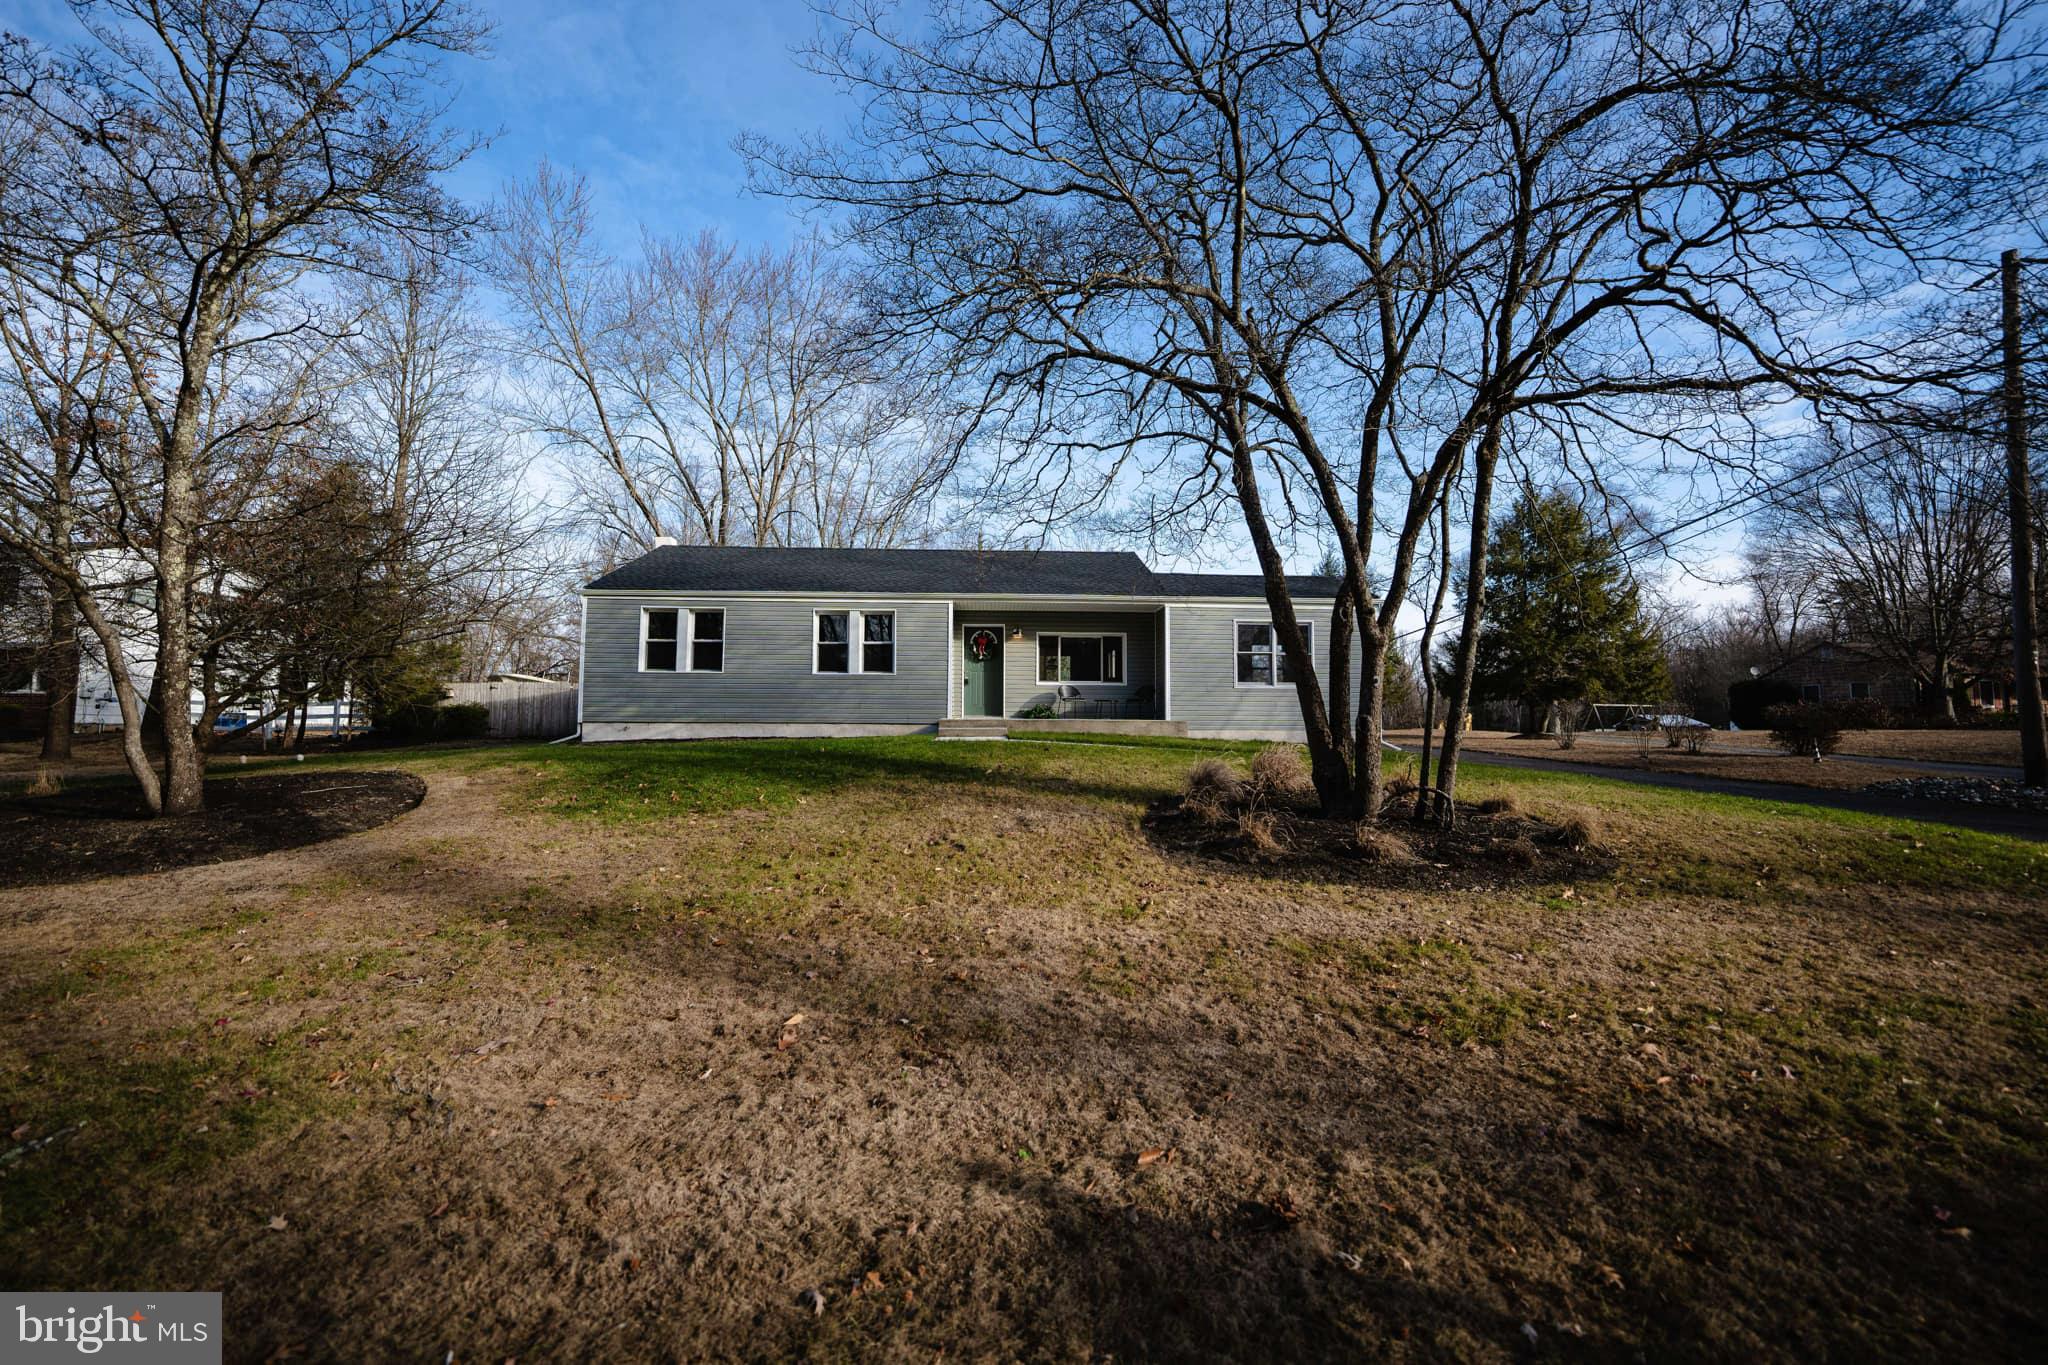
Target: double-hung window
<point>665,630</point>
<point>1261,662</point>
<point>1080,658</point>
<point>837,632</point>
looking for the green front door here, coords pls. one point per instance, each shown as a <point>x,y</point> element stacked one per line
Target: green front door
<point>982,669</point>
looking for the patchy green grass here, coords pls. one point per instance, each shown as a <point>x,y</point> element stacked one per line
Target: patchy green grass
<point>904,1020</point>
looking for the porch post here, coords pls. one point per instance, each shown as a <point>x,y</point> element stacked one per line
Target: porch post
<point>1166,662</point>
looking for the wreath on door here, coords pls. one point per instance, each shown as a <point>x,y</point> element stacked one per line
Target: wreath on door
<point>980,643</point>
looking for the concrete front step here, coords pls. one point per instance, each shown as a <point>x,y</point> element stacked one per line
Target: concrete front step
<point>997,727</point>
<point>974,727</point>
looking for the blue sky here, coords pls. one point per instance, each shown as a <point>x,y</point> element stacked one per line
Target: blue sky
<point>644,98</point>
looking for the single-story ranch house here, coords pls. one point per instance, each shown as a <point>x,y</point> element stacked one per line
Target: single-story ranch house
<point>692,642</point>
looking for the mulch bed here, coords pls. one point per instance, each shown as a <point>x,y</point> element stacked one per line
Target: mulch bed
<point>103,830</point>
<point>1485,849</point>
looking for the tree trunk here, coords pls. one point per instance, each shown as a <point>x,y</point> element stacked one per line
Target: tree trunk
<point>1373,644</point>
<point>184,766</point>
<point>1343,622</point>
<point>1423,653</point>
<point>1328,766</point>
<point>63,675</point>
<point>1944,697</point>
<point>1466,661</point>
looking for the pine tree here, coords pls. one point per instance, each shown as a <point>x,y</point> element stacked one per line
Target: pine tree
<point>1563,620</point>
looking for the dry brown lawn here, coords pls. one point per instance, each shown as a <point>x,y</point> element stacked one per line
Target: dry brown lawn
<point>926,1050</point>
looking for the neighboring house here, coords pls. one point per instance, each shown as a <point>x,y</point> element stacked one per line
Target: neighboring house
<point>704,641</point>
<point>1833,671</point>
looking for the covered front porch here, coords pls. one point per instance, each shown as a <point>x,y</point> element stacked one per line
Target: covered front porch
<point>1057,666</point>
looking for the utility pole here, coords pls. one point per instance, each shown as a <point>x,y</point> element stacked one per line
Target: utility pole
<point>2026,649</point>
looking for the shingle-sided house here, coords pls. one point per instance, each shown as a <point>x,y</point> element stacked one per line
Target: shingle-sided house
<point>704,641</point>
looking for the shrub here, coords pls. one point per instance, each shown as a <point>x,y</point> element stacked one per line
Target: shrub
<point>1694,739</point>
<point>1750,700</point>
<point>1796,729</point>
<point>1866,713</point>
<point>1038,712</point>
<point>463,720</point>
<point>1569,716</point>
<point>1279,777</point>
<point>406,724</point>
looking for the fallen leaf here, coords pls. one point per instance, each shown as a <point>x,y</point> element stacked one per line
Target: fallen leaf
<point>1150,1155</point>
<point>813,1299</point>
<point>439,1209</point>
<point>277,1223</point>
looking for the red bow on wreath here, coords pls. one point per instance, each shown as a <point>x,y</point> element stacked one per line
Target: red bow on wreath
<point>980,643</point>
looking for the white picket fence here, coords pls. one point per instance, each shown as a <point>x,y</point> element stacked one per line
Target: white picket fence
<point>523,710</point>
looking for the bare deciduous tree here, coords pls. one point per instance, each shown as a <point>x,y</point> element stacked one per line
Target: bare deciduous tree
<point>706,392</point>
<point>183,166</point>
<point>1320,261</point>
<point>1903,539</point>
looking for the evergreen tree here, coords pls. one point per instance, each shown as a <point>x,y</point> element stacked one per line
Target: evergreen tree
<point>1563,620</point>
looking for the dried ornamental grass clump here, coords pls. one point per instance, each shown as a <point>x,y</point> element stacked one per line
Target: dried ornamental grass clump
<point>1504,804</point>
<point>1579,830</point>
<point>1279,777</point>
<point>1213,788</point>
<point>1256,828</point>
<point>1376,845</point>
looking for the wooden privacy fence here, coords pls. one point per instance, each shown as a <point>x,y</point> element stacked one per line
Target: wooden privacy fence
<point>522,710</point>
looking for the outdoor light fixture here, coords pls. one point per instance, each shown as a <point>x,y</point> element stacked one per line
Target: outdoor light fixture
<point>1016,632</point>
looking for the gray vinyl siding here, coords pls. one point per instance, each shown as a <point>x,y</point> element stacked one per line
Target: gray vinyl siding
<point>767,675</point>
<point>1202,641</point>
<point>1021,688</point>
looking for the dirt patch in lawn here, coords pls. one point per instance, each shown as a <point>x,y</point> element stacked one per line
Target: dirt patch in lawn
<point>104,830</point>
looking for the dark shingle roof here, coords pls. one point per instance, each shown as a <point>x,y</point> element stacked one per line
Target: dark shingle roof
<point>1104,573</point>
<point>1238,585</point>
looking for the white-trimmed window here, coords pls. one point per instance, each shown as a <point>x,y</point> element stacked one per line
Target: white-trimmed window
<point>1260,660</point>
<point>1080,658</point>
<point>878,642</point>
<point>707,642</point>
<point>663,631</point>
<point>835,633</point>
<point>660,629</point>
